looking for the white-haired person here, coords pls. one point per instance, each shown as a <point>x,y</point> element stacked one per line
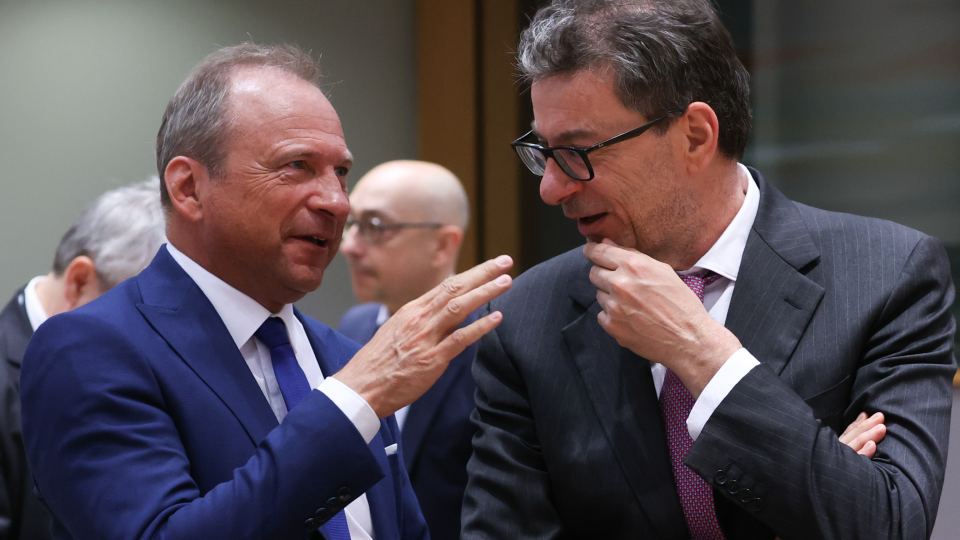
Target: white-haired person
<point>112,240</point>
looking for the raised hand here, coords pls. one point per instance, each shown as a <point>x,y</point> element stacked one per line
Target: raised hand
<point>649,310</point>
<point>412,349</point>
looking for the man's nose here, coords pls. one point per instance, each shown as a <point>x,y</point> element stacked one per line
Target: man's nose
<point>330,196</point>
<point>555,186</point>
<point>351,246</point>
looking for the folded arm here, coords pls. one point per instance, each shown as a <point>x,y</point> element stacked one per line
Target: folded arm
<point>810,484</point>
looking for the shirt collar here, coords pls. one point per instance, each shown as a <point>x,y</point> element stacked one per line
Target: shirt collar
<point>241,314</point>
<point>725,255</point>
<point>31,302</point>
<point>382,315</point>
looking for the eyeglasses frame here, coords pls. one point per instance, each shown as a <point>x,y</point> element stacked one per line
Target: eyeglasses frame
<point>582,151</point>
<point>384,227</point>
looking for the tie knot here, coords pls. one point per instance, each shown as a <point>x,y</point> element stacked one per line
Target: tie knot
<point>697,283</point>
<point>273,333</point>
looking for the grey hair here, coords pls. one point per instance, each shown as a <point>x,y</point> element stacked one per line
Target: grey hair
<point>664,54</point>
<point>120,231</point>
<point>195,123</point>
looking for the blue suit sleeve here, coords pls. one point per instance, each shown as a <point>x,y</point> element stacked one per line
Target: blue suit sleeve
<point>109,461</point>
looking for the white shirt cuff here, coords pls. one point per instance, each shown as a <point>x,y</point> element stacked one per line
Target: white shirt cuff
<point>729,374</point>
<point>355,407</point>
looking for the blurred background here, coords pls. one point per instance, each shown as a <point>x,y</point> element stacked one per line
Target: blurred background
<point>856,109</point>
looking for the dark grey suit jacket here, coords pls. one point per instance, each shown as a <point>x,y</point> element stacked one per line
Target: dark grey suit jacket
<point>846,314</point>
<point>22,516</point>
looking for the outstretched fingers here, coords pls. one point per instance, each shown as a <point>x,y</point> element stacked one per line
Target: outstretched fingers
<point>462,338</point>
<point>463,293</point>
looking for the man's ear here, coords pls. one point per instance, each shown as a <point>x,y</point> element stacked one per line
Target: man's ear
<point>185,179</point>
<point>80,282</point>
<point>449,238</point>
<point>701,130</point>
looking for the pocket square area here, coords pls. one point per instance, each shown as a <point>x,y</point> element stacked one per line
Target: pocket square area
<point>391,450</point>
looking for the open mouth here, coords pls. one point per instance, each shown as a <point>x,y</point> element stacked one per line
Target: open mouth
<point>590,219</point>
<point>314,240</point>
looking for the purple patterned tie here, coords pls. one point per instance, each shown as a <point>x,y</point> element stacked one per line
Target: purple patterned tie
<point>696,495</point>
<point>294,387</point>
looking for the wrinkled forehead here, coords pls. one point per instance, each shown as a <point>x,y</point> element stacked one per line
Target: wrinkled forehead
<point>573,107</point>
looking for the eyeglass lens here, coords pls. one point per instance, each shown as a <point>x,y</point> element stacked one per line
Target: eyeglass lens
<point>570,161</point>
<point>370,228</point>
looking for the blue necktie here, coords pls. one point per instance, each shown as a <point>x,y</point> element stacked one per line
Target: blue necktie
<point>294,387</point>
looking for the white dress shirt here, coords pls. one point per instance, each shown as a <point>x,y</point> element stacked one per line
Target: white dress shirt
<point>242,316</point>
<point>31,302</point>
<point>723,258</point>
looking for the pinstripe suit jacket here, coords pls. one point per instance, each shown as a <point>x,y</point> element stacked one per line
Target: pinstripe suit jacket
<point>845,314</point>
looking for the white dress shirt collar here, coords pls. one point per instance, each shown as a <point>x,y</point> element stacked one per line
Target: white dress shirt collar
<point>31,302</point>
<point>241,314</point>
<point>382,315</point>
<point>725,255</point>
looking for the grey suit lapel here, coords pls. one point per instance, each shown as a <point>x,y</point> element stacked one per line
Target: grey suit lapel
<point>621,389</point>
<point>773,300</point>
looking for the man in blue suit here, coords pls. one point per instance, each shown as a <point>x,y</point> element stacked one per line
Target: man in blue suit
<point>402,239</point>
<point>194,401</point>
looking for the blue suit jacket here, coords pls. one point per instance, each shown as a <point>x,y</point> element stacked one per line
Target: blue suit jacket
<point>142,420</point>
<point>437,434</point>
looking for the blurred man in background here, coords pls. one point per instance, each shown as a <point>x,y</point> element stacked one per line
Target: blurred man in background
<point>402,239</point>
<point>112,240</point>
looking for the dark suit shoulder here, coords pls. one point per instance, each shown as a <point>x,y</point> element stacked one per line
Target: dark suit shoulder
<point>827,228</point>
<point>361,312</point>
<point>359,323</point>
<point>549,281</point>
<point>15,329</point>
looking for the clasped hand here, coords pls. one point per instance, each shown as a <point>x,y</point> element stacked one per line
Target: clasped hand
<point>648,309</point>
<point>412,349</point>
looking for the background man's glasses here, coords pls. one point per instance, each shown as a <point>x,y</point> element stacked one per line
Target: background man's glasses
<point>373,229</point>
<point>571,159</point>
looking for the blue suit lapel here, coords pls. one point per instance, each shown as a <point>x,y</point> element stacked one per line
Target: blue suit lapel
<point>332,354</point>
<point>177,309</point>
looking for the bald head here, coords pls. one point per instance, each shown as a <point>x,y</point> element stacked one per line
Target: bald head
<point>418,191</point>
<point>422,212</point>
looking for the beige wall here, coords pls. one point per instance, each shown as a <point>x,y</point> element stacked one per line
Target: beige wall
<point>83,85</point>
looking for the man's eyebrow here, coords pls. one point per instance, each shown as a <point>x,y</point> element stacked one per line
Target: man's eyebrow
<point>565,137</point>
<point>310,154</point>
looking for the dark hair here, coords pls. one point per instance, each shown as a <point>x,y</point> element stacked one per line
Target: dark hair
<point>665,54</point>
<point>195,122</point>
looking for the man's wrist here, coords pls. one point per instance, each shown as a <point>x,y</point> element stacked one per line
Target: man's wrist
<point>733,370</point>
<point>356,409</point>
<point>713,352</point>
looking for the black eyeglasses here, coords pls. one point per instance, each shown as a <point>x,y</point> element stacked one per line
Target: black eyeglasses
<point>571,159</point>
<point>373,229</point>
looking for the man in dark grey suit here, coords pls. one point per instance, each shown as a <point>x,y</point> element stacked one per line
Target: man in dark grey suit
<point>685,375</point>
<point>112,240</point>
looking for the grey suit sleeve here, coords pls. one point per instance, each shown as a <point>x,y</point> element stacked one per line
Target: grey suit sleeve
<point>508,492</point>
<point>793,474</point>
